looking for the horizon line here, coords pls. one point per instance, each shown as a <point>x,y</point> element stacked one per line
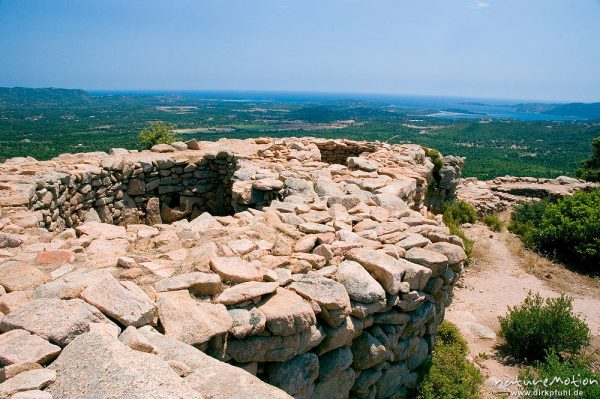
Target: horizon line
<point>313,92</point>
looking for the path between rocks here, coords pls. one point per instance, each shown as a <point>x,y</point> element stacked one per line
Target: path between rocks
<point>495,280</point>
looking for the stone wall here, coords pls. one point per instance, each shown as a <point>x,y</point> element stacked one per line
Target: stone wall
<point>126,192</point>
<point>320,279</point>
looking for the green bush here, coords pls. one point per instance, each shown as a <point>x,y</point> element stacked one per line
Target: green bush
<point>457,231</point>
<point>456,213</point>
<point>525,219</point>
<point>577,368</point>
<point>590,169</point>
<point>449,375</point>
<point>437,160</point>
<point>538,327</point>
<point>493,222</point>
<point>459,212</point>
<point>568,229</point>
<point>156,133</point>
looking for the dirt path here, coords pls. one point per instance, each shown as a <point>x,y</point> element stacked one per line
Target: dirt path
<point>501,275</point>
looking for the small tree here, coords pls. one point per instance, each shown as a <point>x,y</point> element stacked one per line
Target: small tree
<point>157,133</point>
<point>590,168</point>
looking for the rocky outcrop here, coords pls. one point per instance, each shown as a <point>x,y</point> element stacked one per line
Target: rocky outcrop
<point>500,193</point>
<point>259,268</point>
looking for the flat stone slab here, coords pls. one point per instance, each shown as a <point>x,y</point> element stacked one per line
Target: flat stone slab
<point>131,307</point>
<point>56,320</point>
<point>245,291</point>
<point>190,320</point>
<point>324,291</point>
<point>20,346</point>
<point>437,262</point>
<point>19,276</point>
<point>454,253</point>
<point>198,282</point>
<point>235,269</point>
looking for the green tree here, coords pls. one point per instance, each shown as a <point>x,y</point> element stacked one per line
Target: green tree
<point>157,133</point>
<point>590,168</point>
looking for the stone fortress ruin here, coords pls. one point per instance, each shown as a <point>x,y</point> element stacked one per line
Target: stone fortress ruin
<point>258,268</point>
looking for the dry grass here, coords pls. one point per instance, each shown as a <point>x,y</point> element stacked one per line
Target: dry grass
<point>554,274</point>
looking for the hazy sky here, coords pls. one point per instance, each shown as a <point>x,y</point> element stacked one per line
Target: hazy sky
<point>515,49</point>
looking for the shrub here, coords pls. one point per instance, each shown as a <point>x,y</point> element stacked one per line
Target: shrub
<point>539,326</point>
<point>493,222</point>
<point>456,213</point>
<point>457,231</point>
<point>590,169</point>
<point>156,133</point>
<point>449,375</point>
<point>577,368</point>
<point>568,229</point>
<point>459,212</point>
<point>437,160</point>
<point>525,219</point>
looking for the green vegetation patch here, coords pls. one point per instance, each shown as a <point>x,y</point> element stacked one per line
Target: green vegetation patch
<point>493,222</point>
<point>572,378</point>
<point>449,375</point>
<point>568,229</point>
<point>538,327</point>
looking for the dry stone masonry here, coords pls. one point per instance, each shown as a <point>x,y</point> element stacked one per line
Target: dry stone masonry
<point>259,268</point>
<point>502,192</point>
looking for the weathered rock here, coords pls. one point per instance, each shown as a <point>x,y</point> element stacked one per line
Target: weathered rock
<point>129,306</point>
<point>12,300</point>
<point>247,321</point>
<point>8,240</point>
<point>17,276</point>
<point>20,346</point>
<point>27,381</point>
<point>217,380</point>
<point>435,261</point>
<point>235,269</point>
<point>337,386</point>
<point>190,320</point>
<point>245,291</point>
<point>326,292</point>
<point>136,341</point>
<point>413,240</point>
<point>334,362</point>
<point>385,269</point>
<point>294,375</point>
<point>274,348</point>
<point>97,366</point>
<point>392,380</point>
<point>367,351</point>
<point>287,313</point>
<point>359,284</point>
<point>57,256</point>
<point>56,320</point>
<point>197,282</point>
<point>454,253</point>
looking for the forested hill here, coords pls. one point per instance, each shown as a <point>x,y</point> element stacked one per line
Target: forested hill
<point>580,110</point>
<point>46,97</point>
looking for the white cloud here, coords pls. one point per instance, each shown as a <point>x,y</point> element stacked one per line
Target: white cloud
<point>479,4</point>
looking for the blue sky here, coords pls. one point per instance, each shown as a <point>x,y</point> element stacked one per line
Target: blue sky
<point>515,49</point>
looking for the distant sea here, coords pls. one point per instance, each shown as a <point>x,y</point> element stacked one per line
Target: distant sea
<point>440,107</point>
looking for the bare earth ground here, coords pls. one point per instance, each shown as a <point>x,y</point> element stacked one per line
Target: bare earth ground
<point>501,275</point>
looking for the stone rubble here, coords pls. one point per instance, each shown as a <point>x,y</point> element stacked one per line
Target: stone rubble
<point>496,195</point>
<point>299,267</point>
